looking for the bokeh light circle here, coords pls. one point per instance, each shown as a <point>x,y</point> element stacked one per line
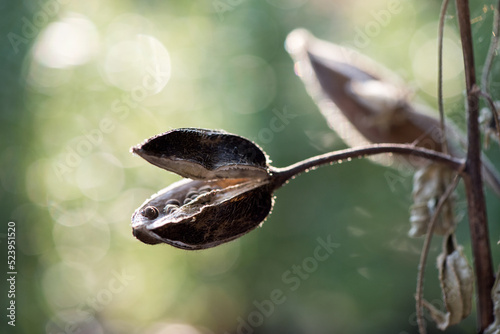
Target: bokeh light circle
<point>72,41</point>
<point>250,85</point>
<point>138,63</point>
<point>100,176</point>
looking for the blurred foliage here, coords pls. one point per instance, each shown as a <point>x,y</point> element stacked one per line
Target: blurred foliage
<point>84,81</point>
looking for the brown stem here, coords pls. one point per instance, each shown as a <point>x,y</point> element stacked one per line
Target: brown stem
<point>473,183</point>
<point>442,16</point>
<point>282,175</point>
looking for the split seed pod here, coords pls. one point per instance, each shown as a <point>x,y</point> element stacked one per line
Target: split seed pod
<point>366,103</point>
<point>229,192</point>
<point>363,101</point>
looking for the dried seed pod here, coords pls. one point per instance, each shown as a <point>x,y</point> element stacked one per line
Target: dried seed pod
<point>456,278</point>
<point>230,196</point>
<point>365,103</point>
<point>362,101</point>
<point>235,208</point>
<point>429,184</point>
<point>204,154</point>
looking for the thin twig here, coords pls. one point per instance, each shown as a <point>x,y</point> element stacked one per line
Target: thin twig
<point>476,203</point>
<point>442,16</point>
<point>485,78</point>
<point>492,50</point>
<point>425,251</point>
<point>281,175</point>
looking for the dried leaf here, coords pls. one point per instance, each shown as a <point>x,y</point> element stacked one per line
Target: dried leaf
<point>494,328</point>
<point>456,278</point>
<point>488,124</point>
<point>429,184</point>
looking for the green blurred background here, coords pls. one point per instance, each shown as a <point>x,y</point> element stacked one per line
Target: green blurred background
<point>85,81</point>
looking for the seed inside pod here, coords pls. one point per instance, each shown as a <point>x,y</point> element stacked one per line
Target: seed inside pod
<point>205,189</point>
<point>230,209</point>
<point>192,193</point>
<point>174,201</point>
<point>150,212</point>
<point>169,208</point>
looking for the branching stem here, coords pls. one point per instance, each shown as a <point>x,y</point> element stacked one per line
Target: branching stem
<point>476,203</point>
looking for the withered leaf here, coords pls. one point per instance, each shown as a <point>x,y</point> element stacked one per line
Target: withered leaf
<point>494,328</point>
<point>488,124</point>
<point>456,278</point>
<point>429,184</point>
